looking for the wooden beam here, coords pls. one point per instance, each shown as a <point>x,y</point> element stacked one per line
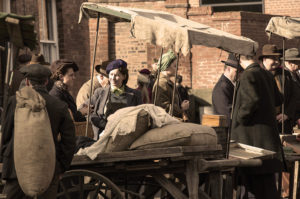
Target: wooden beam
<point>14,31</point>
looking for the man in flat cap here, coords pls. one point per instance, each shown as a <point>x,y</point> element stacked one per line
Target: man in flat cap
<point>222,94</point>
<point>100,81</point>
<point>36,76</point>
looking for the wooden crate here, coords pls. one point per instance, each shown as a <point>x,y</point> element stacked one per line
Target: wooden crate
<point>80,129</point>
<point>214,120</point>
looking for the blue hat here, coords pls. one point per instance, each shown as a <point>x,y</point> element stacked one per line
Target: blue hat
<point>119,63</point>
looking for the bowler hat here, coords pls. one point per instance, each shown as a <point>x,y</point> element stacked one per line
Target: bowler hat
<point>232,62</point>
<point>101,68</point>
<point>36,72</point>
<point>119,63</point>
<point>38,59</point>
<point>292,54</point>
<point>269,50</point>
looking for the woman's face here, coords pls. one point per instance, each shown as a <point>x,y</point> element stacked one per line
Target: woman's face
<point>171,70</point>
<point>69,77</point>
<point>116,78</point>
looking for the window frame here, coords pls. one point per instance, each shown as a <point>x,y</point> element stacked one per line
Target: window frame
<point>55,48</point>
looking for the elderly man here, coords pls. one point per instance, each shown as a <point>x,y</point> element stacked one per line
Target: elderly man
<point>270,60</point>
<point>222,94</point>
<point>36,76</point>
<point>100,81</point>
<point>292,64</point>
<point>254,123</point>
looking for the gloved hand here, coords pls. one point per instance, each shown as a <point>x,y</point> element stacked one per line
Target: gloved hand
<point>98,122</point>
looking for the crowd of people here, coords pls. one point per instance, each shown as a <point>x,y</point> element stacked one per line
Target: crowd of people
<point>250,94</point>
<point>266,102</point>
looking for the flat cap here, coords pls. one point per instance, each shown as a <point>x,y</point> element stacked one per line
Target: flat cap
<point>36,72</point>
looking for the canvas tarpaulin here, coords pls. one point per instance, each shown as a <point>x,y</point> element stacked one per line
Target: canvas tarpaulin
<point>287,27</point>
<point>170,31</point>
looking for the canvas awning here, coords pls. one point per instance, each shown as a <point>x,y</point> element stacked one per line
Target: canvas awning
<point>18,30</point>
<point>287,27</point>
<point>170,31</point>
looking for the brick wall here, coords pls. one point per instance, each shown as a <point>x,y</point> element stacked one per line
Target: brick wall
<point>283,7</point>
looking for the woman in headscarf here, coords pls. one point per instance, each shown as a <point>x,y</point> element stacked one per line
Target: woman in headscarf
<point>64,76</point>
<point>108,100</point>
<point>165,87</point>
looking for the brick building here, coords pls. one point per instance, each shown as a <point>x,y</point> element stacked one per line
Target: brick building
<point>62,37</point>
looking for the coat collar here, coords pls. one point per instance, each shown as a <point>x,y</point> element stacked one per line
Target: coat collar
<point>252,66</point>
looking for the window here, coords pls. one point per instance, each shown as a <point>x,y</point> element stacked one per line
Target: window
<point>48,30</point>
<point>234,5</point>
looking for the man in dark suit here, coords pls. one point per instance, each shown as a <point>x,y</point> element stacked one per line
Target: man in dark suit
<point>254,123</point>
<point>222,94</point>
<point>36,76</point>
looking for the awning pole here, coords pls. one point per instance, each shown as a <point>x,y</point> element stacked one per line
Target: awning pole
<point>174,88</point>
<point>158,75</point>
<point>283,84</point>
<point>231,115</point>
<point>92,79</point>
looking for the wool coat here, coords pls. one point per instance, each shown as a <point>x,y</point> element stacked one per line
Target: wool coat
<point>222,97</point>
<point>61,125</point>
<point>60,91</point>
<point>164,96</point>
<point>84,91</point>
<point>254,118</point>
<point>100,98</point>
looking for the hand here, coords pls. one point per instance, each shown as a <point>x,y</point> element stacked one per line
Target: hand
<point>279,117</point>
<point>185,105</point>
<point>85,109</point>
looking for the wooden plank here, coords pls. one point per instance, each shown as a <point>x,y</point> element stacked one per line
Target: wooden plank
<point>147,154</point>
<point>14,30</point>
<point>214,120</point>
<point>295,181</point>
<point>169,186</point>
<point>215,179</point>
<point>192,178</point>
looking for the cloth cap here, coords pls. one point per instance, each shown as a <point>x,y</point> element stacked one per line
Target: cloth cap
<point>269,50</point>
<point>38,59</point>
<point>233,62</point>
<point>166,60</point>
<point>119,63</point>
<point>24,58</point>
<point>145,71</point>
<point>292,54</point>
<point>101,68</point>
<point>36,72</point>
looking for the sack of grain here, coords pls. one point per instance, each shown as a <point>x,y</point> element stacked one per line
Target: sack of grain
<point>34,149</point>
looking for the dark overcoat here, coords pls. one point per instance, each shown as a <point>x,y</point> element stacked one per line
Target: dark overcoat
<point>61,124</point>
<point>291,95</point>
<point>164,96</point>
<point>222,97</point>
<point>60,92</point>
<point>254,118</point>
<point>100,97</point>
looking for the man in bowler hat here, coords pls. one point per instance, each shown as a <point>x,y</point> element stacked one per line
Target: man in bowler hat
<point>36,76</point>
<point>223,91</point>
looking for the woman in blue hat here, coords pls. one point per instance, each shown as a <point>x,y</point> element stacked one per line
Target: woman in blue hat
<point>118,95</point>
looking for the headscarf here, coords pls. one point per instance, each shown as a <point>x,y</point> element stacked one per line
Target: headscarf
<point>166,60</point>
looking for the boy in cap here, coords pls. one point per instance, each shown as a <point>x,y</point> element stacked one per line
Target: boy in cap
<point>100,81</point>
<point>222,94</point>
<point>36,76</point>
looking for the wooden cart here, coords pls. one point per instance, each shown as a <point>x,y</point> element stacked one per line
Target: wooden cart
<point>174,170</point>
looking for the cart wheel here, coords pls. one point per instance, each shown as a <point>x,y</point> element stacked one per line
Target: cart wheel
<point>84,184</point>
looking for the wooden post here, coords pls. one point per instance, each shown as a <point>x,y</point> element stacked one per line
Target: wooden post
<point>295,181</point>
<point>92,79</point>
<point>157,78</point>
<point>192,178</point>
<point>174,88</point>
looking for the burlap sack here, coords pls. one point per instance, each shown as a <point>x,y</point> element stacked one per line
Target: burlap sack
<point>182,134</point>
<point>34,149</point>
<point>123,141</point>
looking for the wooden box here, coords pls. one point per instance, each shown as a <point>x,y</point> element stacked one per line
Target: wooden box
<point>214,120</point>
